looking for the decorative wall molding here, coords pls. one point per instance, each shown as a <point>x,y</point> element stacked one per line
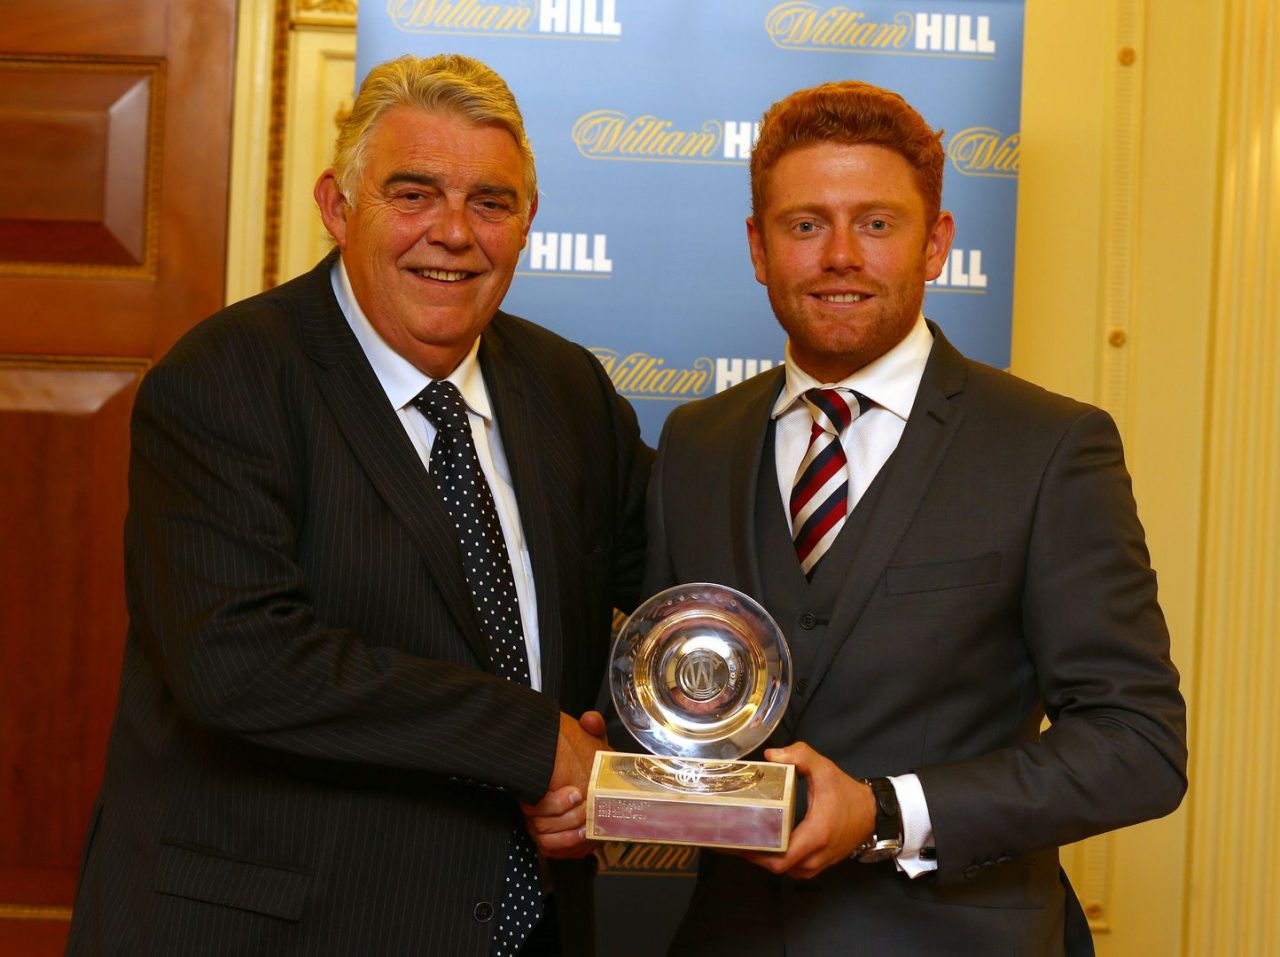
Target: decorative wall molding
<point>1088,863</point>
<point>299,58</point>
<point>339,13</point>
<point>1232,880</point>
<point>248,209</point>
<point>321,88</point>
<point>1122,167</point>
<point>280,94</point>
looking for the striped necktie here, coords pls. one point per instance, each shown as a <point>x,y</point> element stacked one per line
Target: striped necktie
<point>820,494</point>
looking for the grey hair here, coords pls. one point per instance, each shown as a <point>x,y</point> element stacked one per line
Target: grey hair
<point>449,83</point>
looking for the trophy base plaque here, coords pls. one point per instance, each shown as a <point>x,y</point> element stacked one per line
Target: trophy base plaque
<point>743,805</point>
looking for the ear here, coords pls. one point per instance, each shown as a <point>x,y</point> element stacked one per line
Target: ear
<point>533,211</point>
<point>938,246</point>
<point>755,242</point>
<point>334,208</point>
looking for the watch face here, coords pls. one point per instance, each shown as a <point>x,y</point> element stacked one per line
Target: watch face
<point>879,851</point>
<point>700,671</point>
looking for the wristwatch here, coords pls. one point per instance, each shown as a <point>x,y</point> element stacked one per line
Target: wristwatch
<point>886,841</point>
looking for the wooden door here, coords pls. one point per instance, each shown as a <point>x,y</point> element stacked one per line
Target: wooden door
<point>115,120</point>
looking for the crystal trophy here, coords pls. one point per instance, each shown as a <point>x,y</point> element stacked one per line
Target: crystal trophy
<point>700,675</point>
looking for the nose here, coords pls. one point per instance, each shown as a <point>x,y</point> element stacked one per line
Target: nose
<point>450,228</point>
<point>843,250</point>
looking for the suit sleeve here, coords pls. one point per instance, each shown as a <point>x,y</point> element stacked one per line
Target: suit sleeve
<point>222,607</point>
<point>633,462</point>
<point>1115,751</point>
<point>659,572</point>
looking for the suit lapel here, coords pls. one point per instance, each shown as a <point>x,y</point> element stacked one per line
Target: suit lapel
<point>933,423</point>
<point>744,471</point>
<point>513,392</point>
<point>378,442</point>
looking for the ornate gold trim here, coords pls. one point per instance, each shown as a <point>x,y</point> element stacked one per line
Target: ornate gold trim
<point>275,145</point>
<point>333,8</point>
<point>324,12</point>
<point>147,270</point>
<point>11,360</point>
<point>35,912</point>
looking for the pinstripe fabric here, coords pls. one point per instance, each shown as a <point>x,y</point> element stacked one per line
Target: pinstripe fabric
<point>309,755</point>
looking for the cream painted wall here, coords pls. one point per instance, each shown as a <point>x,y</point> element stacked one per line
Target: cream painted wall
<point>1116,229</point>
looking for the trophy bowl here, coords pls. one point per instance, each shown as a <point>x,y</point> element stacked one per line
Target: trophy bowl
<point>700,675</point>
<point>700,671</point>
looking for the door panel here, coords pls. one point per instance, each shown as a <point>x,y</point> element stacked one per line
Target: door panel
<point>77,200</point>
<point>115,120</point>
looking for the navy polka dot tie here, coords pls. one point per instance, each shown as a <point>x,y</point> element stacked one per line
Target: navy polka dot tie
<point>456,470</point>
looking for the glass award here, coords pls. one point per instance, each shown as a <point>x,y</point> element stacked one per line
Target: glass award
<point>700,674</point>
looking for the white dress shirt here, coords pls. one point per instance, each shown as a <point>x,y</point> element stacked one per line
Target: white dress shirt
<point>401,380</point>
<point>891,382</point>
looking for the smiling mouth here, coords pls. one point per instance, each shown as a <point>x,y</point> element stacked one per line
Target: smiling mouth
<point>842,297</point>
<point>442,275</point>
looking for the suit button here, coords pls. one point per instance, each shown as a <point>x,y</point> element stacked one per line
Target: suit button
<point>1003,859</point>
<point>972,870</point>
<point>483,912</point>
<point>808,620</point>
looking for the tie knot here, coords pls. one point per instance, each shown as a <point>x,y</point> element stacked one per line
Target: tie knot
<point>831,410</point>
<point>442,403</point>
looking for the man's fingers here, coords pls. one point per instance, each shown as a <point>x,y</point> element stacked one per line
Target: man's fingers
<point>573,820</point>
<point>800,847</point>
<point>564,845</point>
<point>798,753</point>
<point>593,723</point>
<point>554,803</point>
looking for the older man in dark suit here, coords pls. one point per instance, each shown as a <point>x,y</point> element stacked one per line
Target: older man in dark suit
<point>952,553</point>
<point>377,528</point>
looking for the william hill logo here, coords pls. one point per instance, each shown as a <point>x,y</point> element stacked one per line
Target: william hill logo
<point>572,254</point>
<point>614,135</point>
<point>639,375</point>
<point>962,271</point>
<point>567,19</point>
<point>806,25</point>
<point>983,151</point>
<point>648,859</point>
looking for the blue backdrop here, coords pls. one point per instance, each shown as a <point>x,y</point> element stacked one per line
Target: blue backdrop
<point>642,114</point>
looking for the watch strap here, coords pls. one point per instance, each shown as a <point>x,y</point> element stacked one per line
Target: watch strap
<point>886,841</point>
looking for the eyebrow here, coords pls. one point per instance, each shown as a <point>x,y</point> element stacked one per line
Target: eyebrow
<point>401,177</point>
<point>861,208</point>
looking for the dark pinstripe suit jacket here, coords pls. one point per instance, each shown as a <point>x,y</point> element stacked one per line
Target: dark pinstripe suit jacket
<point>1000,573</point>
<point>310,754</point>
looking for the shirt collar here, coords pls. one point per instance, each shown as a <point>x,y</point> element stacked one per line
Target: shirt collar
<point>400,379</point>
<point>891,381</point>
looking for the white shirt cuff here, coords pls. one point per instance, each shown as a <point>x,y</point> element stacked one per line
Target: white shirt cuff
<point>917,827</point>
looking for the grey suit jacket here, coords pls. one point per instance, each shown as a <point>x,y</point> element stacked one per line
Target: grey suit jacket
<point>311,754</point>
<point>1002,576</point>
